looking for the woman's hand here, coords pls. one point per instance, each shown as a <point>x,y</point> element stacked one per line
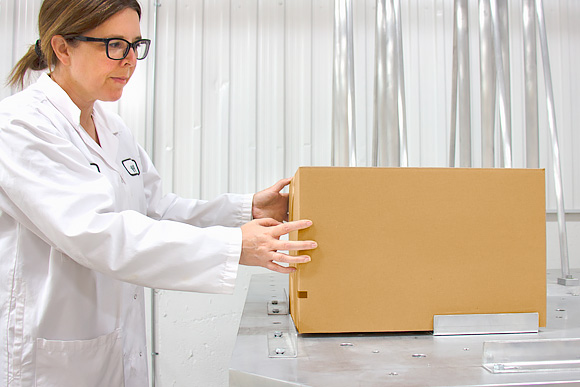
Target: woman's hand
<point>261,242</point>
<point>271,203</point>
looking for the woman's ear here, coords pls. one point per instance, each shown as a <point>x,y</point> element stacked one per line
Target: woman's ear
<point>61,48</point>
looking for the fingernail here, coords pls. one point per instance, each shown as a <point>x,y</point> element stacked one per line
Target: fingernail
<point>314,245</point>
<point>307,259</point>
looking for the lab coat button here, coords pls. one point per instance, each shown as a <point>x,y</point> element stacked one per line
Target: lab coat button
<point>135,296</point>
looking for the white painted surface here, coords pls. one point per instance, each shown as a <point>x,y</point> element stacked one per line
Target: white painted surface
<point>243,97</point>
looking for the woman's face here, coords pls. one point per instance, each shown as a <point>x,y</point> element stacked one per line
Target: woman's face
<point>91,75</point>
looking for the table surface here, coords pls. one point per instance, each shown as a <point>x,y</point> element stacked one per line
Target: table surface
<point>397,359</point>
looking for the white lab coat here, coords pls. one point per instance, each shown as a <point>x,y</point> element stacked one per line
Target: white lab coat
<point>82,229</point>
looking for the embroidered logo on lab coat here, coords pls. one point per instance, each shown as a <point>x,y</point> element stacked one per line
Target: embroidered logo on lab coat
<point>131,167</point>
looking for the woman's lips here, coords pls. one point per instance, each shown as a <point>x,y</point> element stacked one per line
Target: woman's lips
<point>121,80</point>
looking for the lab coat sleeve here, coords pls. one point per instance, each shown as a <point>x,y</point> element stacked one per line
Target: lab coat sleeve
<point>48,186</point>
<point>228,210</point>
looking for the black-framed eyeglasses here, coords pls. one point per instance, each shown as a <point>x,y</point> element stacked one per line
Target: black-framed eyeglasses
<point>118,48</point>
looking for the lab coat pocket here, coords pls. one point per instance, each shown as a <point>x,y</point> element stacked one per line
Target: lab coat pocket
<point>82,363</point>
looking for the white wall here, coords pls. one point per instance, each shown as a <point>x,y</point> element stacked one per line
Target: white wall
<point>242,97</point>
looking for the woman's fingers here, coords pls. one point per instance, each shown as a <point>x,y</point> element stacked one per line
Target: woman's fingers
<point>279,268</point>
<point>261,244</point>
<point>285,258</point>
<point>267,222</point>
<point>280,184</point>
<point>285,228</point>
<point>293,245</point>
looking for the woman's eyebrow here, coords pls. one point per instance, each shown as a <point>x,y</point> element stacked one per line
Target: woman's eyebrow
<point>139,37</point>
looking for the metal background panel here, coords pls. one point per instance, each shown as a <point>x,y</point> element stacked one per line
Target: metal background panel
<point>271,93</point>
<point>298,97</point>
<point>216,84</point>
<point>187,120</point>
<point>322,47</point>
<point>7,30</point>
<point>243,108</point>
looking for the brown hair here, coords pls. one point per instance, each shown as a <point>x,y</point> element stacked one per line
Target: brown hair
<point>64,17</point>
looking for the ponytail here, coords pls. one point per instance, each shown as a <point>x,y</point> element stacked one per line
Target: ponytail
<point>34,60</point>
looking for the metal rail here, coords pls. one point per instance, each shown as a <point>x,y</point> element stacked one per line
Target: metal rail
<point>343,95</point>
<point>150,146</point>
<point>389,146</point>
<point>461,87</point>
<point>567,278</point>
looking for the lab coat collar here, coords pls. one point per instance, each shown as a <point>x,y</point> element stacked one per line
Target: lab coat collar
<point>107,132</point>
<point>61,100</point>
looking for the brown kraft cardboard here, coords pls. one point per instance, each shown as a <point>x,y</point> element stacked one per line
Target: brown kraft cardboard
<point>397,246</point>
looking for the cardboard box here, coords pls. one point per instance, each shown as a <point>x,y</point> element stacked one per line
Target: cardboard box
<point>400,245</point>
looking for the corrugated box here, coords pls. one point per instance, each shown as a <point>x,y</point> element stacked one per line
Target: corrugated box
<point>400,245</point>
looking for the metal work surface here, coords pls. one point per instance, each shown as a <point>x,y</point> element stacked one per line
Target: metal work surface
<point>264,353</point>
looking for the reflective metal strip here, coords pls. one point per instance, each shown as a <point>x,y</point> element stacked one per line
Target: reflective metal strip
<point>386,144</point>
<point>380,58</point>
<point>475,324</point>
<point>554,136</point>
<point>530,85</point>
<point>523,356</point>
<point>404,154</point>
<point>501,84</point>
<point>488,85</point>
<point>343,116</point>
<point>503,16</point>
<point>464,91</point>
<point>461,87</point>
<point>453,117</point>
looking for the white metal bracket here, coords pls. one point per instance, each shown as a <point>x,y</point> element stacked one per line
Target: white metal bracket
<point>483,324</point>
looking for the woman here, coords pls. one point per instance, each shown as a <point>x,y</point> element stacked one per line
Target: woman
<point>83,222</point>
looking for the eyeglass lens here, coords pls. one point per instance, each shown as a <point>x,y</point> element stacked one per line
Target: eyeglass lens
<point>119,49</point>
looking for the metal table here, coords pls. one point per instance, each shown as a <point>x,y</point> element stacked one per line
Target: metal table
<point>398,359</point>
